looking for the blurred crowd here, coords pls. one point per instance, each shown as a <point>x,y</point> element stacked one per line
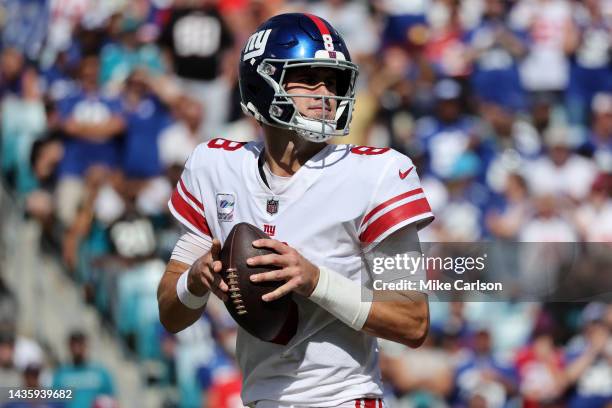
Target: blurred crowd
<point>505,106</point>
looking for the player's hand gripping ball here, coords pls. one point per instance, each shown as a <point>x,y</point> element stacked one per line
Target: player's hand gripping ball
<point>275,321</point>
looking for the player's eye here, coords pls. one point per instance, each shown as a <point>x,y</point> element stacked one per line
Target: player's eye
<point>308,79</point>
<point>330,82</point>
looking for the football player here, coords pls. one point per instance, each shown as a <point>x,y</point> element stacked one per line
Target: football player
<point>326,208</point>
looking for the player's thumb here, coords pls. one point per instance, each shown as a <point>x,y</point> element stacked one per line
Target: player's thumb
<point>215,250</point>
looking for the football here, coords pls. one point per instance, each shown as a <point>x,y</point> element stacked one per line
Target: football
<point>274,321</point>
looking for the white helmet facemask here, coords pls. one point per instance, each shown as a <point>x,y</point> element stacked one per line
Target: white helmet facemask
<point>318,129</point>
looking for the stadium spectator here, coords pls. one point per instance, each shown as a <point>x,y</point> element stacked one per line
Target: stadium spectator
<point>398,93</point>
<point>462,217</point>
<point>589,47</point>
<point>22,115</point>
<point>422,377</point>
<point>455,332</point>
<point>593,219</point>
<point>9,373</point>
<point>540,368</point>
<point>25,25</point>
<point>31,376</point>
<point>81,225</point>
<point>57,81</point>
<point>598,143</point>
<point>86,41</point>
<point>177,141</point>
<point>496,51</point>
<point>506,220</point>
<point>402,21</point>
<point>88,380</point>
<point>70,21</point>
<point>244,16</point>
<point>545,24</point>
<point>560,171</point>
<point>119,59</point>
<point>196,40</point>
<point>544,113</point>
<point>201,358</point>
<point>483,376</point>
<point>225,390</point>
<point>509,323</point>
<point>23,121</point>
<point>91,122</point>
<point>547,224</point>
<point>221,376</point>
<point>589,359</point>
<point>12,70</point>
<point>452,318</point>
<point>26,352</point>
<point>8,305</point>
<point>446,49</point>
<point>45,156</point>
<point>551,239</point>
<point>511,138</point>
<point>450,132</point>
<point>145,109</point>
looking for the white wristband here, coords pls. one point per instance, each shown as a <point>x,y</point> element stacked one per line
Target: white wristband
<point>186,297</point>
<point>341,297</point>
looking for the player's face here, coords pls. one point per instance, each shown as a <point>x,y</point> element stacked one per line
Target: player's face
<point>313,81</point>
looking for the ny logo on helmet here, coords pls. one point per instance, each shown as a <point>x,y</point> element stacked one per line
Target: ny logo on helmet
<point>256,44</point>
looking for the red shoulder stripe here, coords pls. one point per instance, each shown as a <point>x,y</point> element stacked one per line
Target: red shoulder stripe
<point>191,196</point>
<point>394,217</point>
<point>186,211</point>
<point>389,202</point>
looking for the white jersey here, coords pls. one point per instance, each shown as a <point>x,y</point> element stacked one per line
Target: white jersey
<point>342,200</point>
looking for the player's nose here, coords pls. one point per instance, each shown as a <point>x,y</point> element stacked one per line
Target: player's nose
<point>325,89</point>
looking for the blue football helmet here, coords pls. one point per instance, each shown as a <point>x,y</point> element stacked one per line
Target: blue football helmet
<point>290,41</point>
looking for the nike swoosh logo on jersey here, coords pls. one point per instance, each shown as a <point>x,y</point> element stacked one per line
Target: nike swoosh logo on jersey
<point>404,174</point>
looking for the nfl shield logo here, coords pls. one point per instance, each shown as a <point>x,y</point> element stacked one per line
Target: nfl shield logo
<point>272,206</point>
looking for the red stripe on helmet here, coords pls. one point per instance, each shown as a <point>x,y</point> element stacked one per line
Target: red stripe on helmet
<point>320,24</point>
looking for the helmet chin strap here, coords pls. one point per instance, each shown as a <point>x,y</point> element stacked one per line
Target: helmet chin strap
<point>314,130</point>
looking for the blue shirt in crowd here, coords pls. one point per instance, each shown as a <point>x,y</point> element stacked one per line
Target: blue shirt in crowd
<point>144,123</point>
<point>81,154</point>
